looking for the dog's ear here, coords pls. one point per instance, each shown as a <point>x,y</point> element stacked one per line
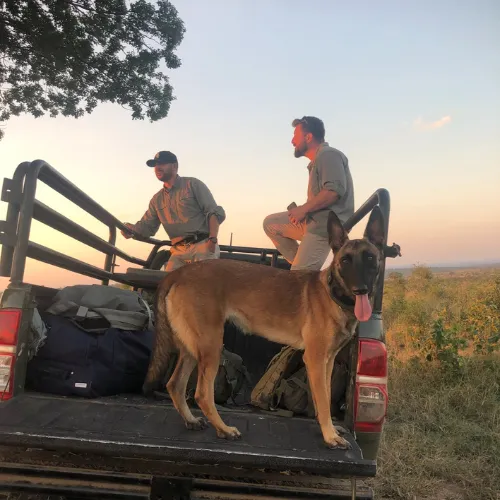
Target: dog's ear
<point>337,235</point>
<point>375,229</point>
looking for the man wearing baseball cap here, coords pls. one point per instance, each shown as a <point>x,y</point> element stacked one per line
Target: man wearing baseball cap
<point>186,209</point>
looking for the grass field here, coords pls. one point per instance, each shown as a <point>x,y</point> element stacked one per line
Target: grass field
<point>442,437</point>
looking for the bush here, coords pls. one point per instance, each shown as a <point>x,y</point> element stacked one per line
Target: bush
<point>442,318</point>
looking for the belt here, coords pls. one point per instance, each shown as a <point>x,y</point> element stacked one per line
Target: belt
<point>192,238</point>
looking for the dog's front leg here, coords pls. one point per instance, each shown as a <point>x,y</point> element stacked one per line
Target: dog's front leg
<point>316,361</point>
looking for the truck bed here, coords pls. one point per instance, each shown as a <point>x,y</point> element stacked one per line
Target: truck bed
<point>140,429</point>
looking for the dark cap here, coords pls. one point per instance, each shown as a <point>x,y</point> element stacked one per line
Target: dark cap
<point>162,157</point>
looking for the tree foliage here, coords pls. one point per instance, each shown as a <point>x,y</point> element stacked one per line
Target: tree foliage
<point>66,56</point>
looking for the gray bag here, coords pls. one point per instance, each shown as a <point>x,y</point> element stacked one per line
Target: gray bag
<point>95,308</point>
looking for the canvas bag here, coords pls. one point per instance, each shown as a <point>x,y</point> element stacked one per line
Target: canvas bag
<point>284,387</point>
<point>95,308</point>
<point>264,394</point>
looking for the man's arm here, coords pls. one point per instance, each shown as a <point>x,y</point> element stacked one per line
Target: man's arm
<point>149,223</point>
<point>331,172</point>
<point>330,168</point>
<point>214,213</point>
<point>213,226</point>
<point>323,199</point>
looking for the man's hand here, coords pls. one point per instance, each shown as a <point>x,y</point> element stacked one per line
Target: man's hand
<point>297,214</point>
<point>211,246</point>
<point>126,234</point>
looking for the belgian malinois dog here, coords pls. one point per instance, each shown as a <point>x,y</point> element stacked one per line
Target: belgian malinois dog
<point>316,311</point>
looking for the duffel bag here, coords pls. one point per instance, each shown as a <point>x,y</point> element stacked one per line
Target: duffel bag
<point>73,362</point>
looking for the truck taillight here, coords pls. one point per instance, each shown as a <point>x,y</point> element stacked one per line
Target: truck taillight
<point>10,320</point>
<point>370,400</point>
<point>372,358</point>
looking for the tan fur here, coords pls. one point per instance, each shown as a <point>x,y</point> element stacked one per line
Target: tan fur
<point>288,307</point>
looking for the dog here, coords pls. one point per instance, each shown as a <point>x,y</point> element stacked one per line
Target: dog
<point>314,311</point>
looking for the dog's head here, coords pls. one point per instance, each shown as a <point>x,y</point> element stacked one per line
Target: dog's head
<point>356,263</point>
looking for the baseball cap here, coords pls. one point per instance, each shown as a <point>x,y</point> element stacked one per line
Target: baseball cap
<point>162,157</point>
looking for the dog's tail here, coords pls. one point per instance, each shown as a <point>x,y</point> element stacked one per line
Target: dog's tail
<point>163,344</point>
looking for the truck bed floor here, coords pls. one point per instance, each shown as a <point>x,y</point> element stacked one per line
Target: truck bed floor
<point>156,431</point>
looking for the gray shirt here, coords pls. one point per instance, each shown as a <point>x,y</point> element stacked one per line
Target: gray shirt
<point>330,170</point>
<point>183,210</point>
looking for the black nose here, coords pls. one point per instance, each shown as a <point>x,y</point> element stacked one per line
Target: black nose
<point>360,290</point>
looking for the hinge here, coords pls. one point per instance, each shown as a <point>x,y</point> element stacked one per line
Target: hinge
<point>7,234</point>
<point>392,251</point>
<point>163,488</point>
<point>11,191</point>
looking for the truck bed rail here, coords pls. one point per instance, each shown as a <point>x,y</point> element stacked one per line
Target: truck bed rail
<point>19,193</point>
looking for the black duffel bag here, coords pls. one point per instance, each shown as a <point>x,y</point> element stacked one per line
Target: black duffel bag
<point>74,362</point>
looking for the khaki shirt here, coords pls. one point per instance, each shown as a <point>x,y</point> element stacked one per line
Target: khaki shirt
<point>330,170</point>
<point>183,210</point>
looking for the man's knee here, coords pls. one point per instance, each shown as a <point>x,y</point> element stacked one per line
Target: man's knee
<point>266,224</point>
<point>271,224</point>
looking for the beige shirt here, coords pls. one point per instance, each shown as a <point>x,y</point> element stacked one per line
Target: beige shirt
<point>183,210</point>
<point>330,170</point>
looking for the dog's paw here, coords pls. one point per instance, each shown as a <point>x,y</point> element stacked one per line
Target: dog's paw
<point>230,433</point>
<point>338,442</point>
<point>197,425</point>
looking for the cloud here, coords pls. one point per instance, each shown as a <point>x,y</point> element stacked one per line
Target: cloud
<point>420,124</point>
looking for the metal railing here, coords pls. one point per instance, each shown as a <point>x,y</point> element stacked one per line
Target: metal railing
<point>19,192</point>
<point>382,199</point>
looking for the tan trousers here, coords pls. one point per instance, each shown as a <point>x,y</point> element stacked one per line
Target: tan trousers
<point>312,251</point>
<point>192,252</point>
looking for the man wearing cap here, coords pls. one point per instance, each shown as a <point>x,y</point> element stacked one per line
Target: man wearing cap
<point>186,209</point>
<point>330,188</point>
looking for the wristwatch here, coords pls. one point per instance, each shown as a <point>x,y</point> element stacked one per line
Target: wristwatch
<point>213,239</point>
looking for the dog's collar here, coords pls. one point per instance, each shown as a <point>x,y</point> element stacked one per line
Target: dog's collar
<point>342,300</point>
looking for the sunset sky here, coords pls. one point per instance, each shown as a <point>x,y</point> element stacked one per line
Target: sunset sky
<point>410,93</point>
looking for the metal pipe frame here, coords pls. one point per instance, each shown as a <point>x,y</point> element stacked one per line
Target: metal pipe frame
<point>381,198</point>
<point>23,208</point>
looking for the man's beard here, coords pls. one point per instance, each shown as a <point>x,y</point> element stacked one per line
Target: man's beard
<point>300,151</point>
<point>167,177</point>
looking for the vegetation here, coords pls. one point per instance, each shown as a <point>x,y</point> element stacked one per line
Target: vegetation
<point>66,56</point>
<point>442,435</point>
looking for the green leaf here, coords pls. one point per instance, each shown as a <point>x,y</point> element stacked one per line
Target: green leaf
<point>66,57</point>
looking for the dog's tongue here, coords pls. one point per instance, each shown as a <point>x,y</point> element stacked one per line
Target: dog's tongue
<point>362,308</point>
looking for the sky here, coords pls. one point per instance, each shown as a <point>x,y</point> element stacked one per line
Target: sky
<point>409,91</point>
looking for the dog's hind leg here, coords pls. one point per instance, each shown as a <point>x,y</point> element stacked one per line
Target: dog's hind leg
<point>177,386</point>
<point>208,365</point>
<point>315,360</point>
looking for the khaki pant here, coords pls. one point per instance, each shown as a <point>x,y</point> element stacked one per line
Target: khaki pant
<point>191,252</point>
<point>312,251</point>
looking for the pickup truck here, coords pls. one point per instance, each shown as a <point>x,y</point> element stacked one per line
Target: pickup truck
<point>129,447</point>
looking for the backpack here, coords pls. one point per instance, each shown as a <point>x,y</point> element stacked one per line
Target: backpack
<point>265,394</point>
<point>294,394</point>
<point>231,376</point>
<point>284,388</point>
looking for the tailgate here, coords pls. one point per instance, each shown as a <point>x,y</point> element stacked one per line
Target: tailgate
<point>157,432</point>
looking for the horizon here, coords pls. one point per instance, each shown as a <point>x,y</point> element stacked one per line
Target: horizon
<point>417,114</point>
